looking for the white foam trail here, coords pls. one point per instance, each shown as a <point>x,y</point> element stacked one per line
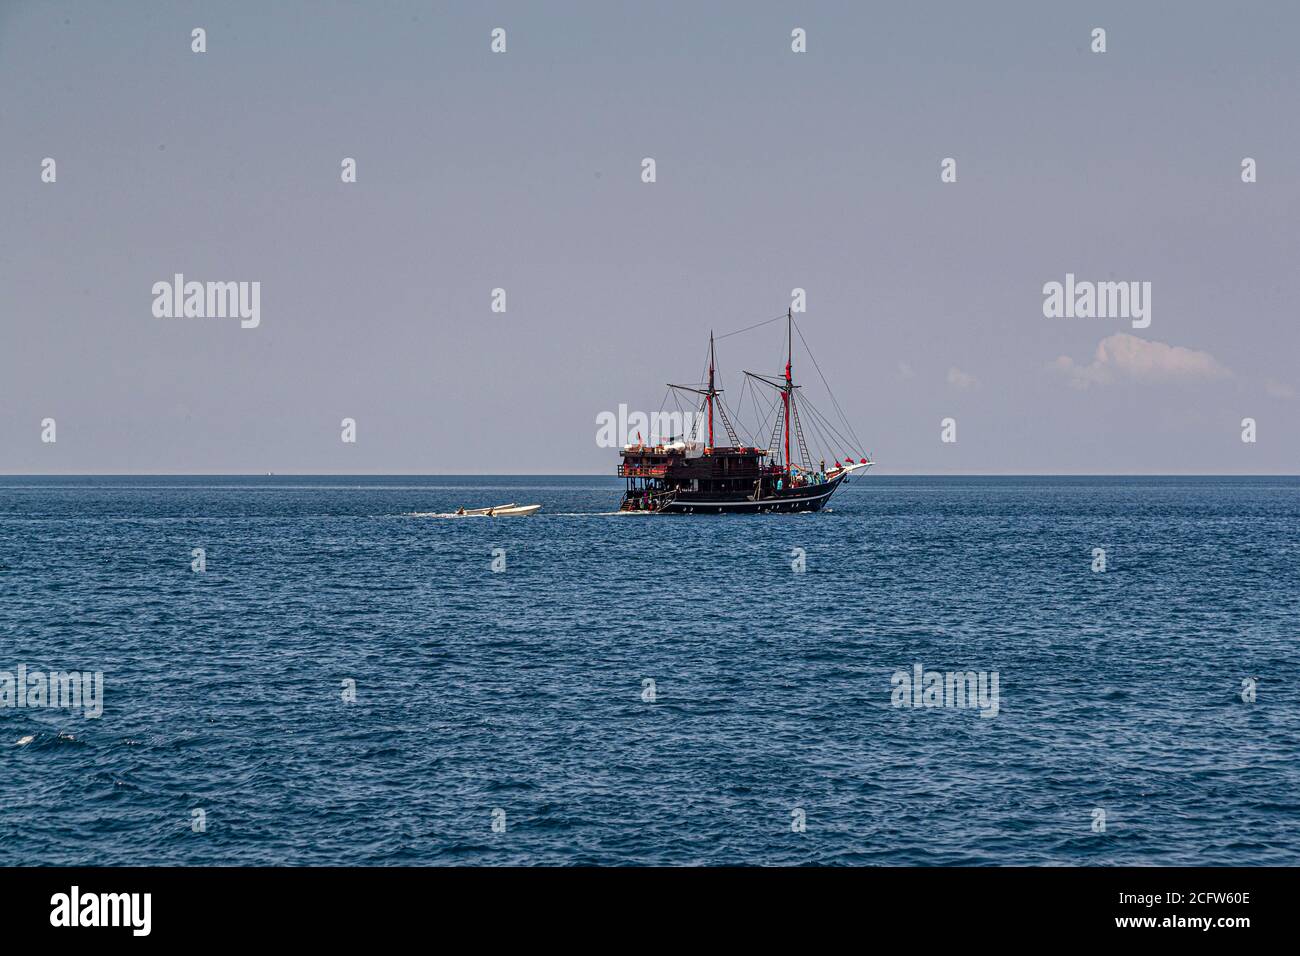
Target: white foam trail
<point>549,514</point>
<point>438,514</point>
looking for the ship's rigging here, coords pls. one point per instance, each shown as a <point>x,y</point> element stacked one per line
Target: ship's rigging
<point>785,407</point>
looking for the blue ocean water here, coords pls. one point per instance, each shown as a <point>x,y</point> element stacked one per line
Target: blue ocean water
<point>523,691</point>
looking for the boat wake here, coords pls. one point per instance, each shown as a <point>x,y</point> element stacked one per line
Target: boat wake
<point>438,514</point>
<point>551,514</point>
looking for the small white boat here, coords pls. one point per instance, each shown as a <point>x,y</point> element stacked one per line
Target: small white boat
<point>498,511</point>
<point>514,510</point>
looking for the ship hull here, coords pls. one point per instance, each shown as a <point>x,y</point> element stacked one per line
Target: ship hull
<point>809,498</point>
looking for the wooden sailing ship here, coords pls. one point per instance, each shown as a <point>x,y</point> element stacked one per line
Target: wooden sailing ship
<point>685,475</point>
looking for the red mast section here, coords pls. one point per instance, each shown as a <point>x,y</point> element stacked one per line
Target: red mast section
<point>711,393</point>
<point>786,386</point>
<point>789,320</point>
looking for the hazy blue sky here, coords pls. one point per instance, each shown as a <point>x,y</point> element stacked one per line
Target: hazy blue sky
<point>522,170</point>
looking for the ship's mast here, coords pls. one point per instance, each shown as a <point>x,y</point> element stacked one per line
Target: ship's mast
<point>788,391</point>
<point>785,385</point>
<point>711,391</point>
<point>711,394</point>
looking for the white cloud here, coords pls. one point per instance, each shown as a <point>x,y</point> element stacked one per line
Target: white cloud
<point>905,371</point>
<point>959,379</point>
<point>1123,357</point>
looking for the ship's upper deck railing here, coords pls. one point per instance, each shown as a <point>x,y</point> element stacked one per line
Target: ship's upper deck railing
<point>642,471</point>
<point>715,451</point>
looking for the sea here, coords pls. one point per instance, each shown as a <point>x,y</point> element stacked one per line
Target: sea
<point>332,671</point>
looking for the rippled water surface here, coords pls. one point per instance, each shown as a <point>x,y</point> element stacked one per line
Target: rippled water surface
<point>522,690</point>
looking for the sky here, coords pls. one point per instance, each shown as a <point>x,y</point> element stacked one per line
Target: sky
<point>523,171</point>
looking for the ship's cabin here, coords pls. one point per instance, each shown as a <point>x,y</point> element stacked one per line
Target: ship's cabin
<point>679,468</point>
